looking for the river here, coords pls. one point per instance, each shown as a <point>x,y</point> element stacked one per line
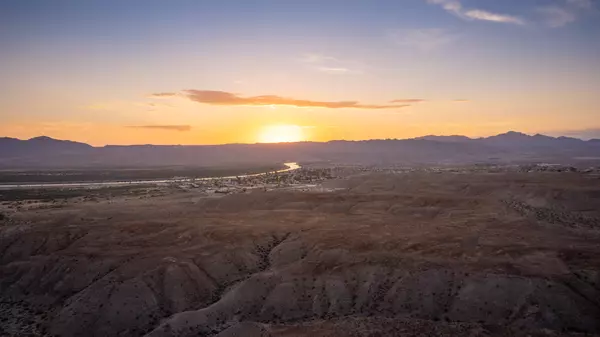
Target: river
<point>290,167</point>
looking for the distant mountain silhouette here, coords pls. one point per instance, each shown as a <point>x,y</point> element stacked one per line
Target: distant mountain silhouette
<point>510,136</point>
<point>12,147</point>
<point>510,147</point>
<point>453,138</point>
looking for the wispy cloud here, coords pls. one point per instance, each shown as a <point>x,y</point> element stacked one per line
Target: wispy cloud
<point>333,70</point>
<point>418,100</point>
<point>163,127</point>
<point>163,94</point>
<point>318,58</point>
<point>583,4</point>
<point>407,100</point>
<point>560,15</point>
<point>330,65</point>
<point>455,7</point>
<point>423,39</point>
<point>555,16</point>
<point>224,98</point>
<point>479,14</point>
<point>158,105</point>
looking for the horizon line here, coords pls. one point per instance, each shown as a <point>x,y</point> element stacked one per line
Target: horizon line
<point>308,141</point>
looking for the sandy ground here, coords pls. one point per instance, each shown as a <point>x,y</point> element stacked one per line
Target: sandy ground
<point>374,254</point>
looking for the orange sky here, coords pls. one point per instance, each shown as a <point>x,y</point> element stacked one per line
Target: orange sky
<point>226,72</point>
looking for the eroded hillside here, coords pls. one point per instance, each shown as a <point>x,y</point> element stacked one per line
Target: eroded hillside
<point>378,254</point>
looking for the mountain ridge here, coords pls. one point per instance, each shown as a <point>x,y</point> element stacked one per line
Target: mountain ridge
<point>509,147</point>
<point>430,137</point>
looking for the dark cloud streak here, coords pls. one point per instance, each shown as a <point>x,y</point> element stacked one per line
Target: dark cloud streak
<point>213,97</point>
<point>163,94</point>
<point>163,127</point>
<point>408,100</point>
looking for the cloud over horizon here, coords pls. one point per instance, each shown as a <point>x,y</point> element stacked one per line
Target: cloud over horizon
<point>163,127</point>
<point>214,97</point>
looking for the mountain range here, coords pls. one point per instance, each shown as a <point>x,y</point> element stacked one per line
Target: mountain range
<point>510,147</point>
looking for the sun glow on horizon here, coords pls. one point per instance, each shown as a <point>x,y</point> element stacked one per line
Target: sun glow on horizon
<point>285,133</point>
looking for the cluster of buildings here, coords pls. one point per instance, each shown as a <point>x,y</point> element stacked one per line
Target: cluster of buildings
<point>240,184</point>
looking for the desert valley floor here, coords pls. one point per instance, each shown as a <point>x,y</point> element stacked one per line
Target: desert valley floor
<point>452,253</point>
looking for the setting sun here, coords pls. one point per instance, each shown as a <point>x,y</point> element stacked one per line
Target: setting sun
<point>281,134</point>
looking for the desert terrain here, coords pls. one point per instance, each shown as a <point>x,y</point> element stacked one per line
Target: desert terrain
<point>472,251</point>
<point>280,168</point>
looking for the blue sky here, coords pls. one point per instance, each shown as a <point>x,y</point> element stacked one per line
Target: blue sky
<point>87,70</point>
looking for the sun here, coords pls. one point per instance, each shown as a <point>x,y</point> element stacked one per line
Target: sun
<point>281,134</point>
